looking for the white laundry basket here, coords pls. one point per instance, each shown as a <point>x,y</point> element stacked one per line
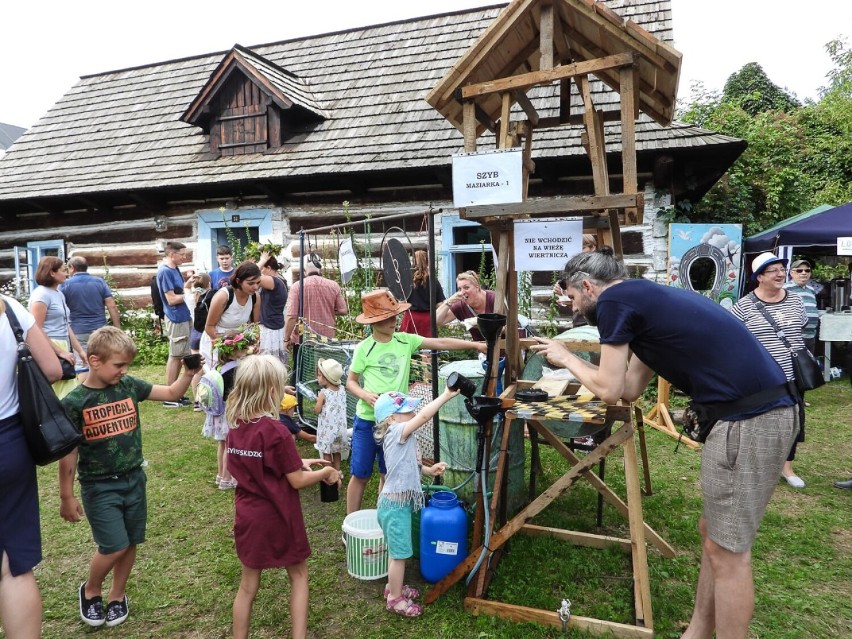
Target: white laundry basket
<point>366,551</point>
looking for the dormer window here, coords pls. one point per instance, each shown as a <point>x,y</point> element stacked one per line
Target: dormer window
<point>250,105</point>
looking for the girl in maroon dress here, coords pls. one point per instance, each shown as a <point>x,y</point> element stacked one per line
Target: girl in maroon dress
<point>269,531</point>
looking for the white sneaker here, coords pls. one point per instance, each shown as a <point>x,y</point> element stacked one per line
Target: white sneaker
<point>795,481</point>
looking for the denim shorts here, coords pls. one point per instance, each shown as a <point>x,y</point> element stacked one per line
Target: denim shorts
<point>117,510</point>
<point>365,450</point>
<point>194,340</point>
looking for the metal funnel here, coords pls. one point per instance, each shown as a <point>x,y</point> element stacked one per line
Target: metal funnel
<point>482,408</point>
<point>490,325</point>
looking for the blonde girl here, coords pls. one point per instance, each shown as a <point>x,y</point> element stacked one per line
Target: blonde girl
<point>402,493</point>
<point>269,530</point>
<point>331,412</point>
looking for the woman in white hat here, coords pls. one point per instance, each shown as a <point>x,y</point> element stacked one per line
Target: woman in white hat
<point>788,311</point>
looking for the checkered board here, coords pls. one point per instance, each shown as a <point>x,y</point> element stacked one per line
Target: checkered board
<point>566,409</point>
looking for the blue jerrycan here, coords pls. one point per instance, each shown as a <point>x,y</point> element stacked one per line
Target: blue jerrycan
<point>443,536</point>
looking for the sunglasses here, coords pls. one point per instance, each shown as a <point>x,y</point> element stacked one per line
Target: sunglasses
<point>802,270</point>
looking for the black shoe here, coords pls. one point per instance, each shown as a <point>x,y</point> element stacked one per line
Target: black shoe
<point>91,610</point>
<point>183,402</point>
<point>117,612</point>
<point>844,484</point>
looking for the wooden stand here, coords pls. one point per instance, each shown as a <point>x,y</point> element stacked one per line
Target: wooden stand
<point>660,418</point>
<point>535,415</point>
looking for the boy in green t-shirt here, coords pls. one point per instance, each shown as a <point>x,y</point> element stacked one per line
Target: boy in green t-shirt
<point>383,363</point>
<point>112,483</point>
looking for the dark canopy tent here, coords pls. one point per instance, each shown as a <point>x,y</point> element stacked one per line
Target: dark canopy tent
<point>819,227</point>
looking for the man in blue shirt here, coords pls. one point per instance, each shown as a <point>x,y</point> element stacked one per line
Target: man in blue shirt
<point>178,320</point>
<point>703,350</point>
<point>86,295</point>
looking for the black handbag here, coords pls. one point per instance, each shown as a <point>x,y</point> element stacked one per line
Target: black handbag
<point>68,369</point>
<point>807,372</point>
<point>49,432</point>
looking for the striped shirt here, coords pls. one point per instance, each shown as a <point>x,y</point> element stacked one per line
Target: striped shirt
<point>790,316</point>
<point>809,298</point>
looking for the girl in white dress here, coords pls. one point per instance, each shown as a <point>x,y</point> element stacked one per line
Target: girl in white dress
<point>332,439</point>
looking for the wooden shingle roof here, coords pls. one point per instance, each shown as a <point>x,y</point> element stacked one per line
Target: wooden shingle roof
<point>584,30</point>
<point>121,130</point>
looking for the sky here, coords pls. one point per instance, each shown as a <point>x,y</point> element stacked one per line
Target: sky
<point>46,47</point>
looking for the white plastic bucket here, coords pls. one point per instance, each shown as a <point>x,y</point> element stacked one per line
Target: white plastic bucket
<point>366,551</point>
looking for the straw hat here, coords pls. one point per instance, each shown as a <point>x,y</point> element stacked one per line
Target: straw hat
<point>380,305</point>
<point>331,370</point>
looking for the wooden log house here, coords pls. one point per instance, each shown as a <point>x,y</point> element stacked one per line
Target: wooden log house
<point>273,138</point>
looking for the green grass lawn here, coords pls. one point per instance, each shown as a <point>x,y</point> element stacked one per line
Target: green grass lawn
<point>187,572</point>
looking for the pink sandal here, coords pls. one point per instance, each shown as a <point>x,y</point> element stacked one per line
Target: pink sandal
<point>411,609</point>
<point>409,592</point>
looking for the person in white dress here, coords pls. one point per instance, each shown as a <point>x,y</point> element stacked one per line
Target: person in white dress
<point>332,439</point>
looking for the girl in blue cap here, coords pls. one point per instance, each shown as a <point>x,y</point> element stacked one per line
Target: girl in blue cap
<point>402,493</point>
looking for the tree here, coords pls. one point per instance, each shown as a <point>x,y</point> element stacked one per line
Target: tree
<point>797,157</point>
<point>752,89</point>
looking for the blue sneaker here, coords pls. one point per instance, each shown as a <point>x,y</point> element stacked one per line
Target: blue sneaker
<point>91,610</point>
<point>117,612</point>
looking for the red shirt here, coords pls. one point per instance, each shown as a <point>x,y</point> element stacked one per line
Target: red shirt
<point>269,531</point>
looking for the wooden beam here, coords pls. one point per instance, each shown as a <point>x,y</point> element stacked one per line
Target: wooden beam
<point>469,115</point>
<point>589,540</point>
<point>545,46</point>
<point>575,205</point>
<point>505,112</point>
<point>535,78</point>
<point>526,104</point>
<point>597,152</point>
<point>477,606</point>
<point>629,171</point>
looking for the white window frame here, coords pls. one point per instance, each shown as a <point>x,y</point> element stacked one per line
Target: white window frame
<point>25,272</point>
<point>208,221</point>
<point>449,248</point>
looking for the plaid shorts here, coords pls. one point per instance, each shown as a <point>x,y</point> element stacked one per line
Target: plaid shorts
<point>740,466</point>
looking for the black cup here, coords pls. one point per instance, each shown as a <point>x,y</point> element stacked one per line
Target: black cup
<point>458,382</point>
<point>192,362</point>
<point>328,492</point>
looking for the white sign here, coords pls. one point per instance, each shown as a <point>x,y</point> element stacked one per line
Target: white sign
<point>844,245</point>
<point>490,177</point>
<point>447,548</point>
<point>347,260</point>
<point>545,245</point>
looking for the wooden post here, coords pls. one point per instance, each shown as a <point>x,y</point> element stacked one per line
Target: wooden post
<point>469,120</point>
<point>546,36</point>
<point>628,139</point>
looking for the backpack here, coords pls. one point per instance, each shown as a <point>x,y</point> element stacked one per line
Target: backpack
<point>156,300</point>
<point>210,393</point>
<point>202,309</point>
